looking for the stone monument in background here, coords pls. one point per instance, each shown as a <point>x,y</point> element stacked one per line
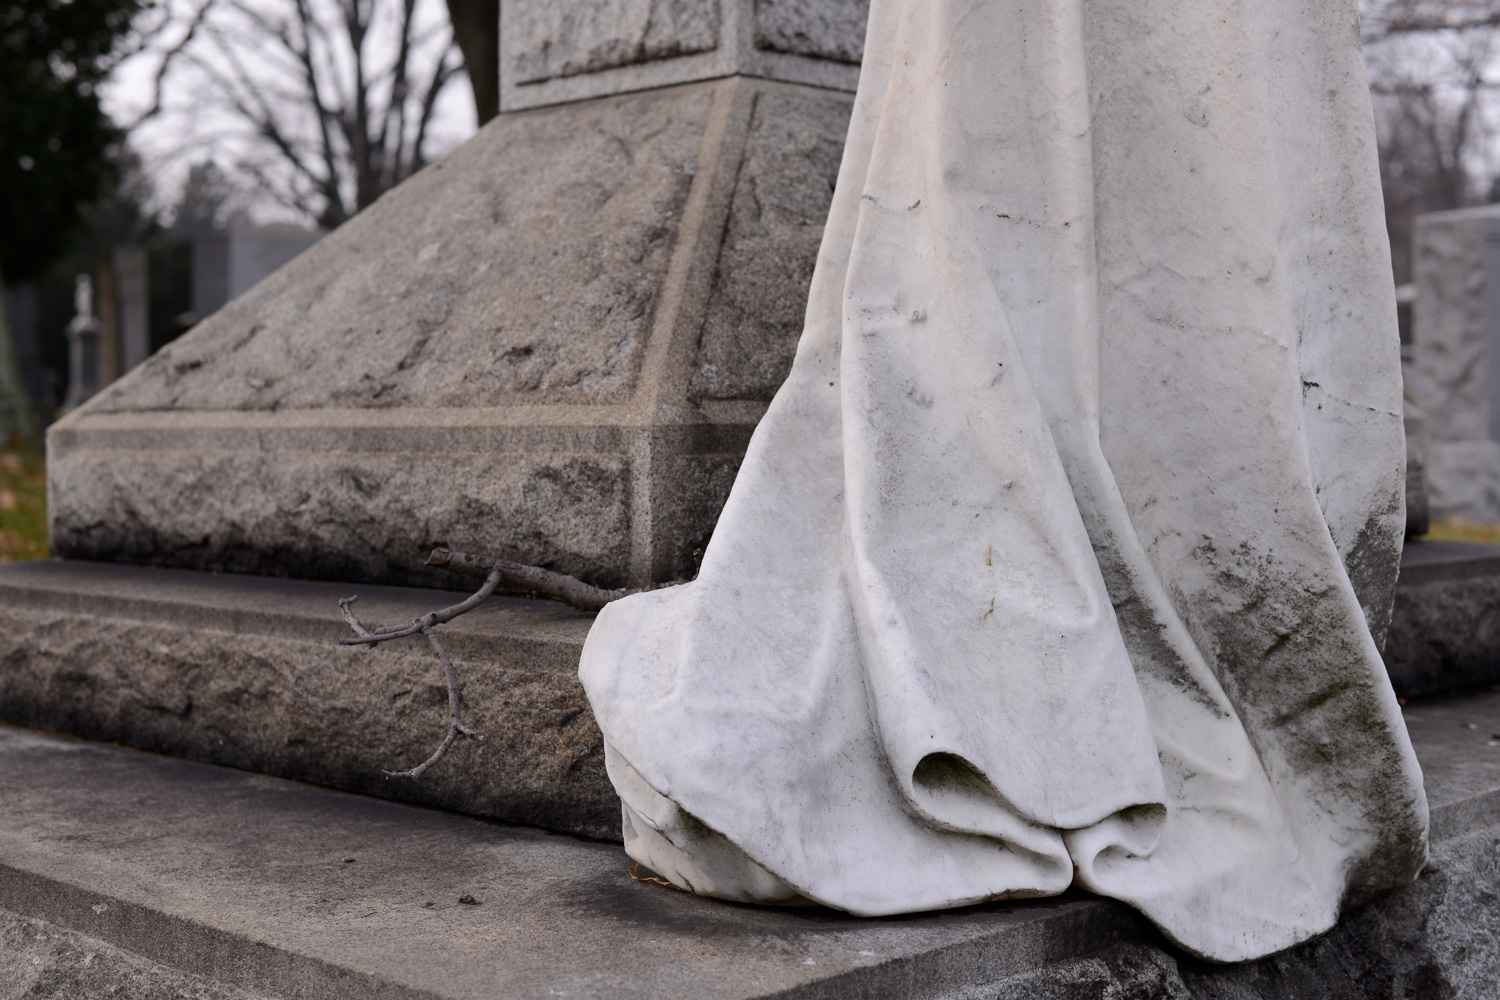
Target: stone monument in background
<point>84,365</point>
<point>103,347</point>
<point>1456,362</point>
<point>227,263</point>
<point>552,345</point>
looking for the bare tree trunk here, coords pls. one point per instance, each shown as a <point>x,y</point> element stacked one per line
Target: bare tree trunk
<point>16,416</point>
<point>476,28</point>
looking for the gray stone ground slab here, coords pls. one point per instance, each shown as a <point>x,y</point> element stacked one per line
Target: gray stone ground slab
<point>40,960</point>
<point>273,886</point>
<point>244,878</point>
<point>1458,742</point>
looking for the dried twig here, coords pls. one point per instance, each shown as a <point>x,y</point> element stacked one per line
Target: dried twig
<point>494,572</point>
<point>647,878</point>
<point>363,636</point>
<point>424,625</point>
<point>544,582</point>
<point>560,586</point>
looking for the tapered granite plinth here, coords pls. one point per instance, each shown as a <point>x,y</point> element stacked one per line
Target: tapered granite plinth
<point>551,346</point>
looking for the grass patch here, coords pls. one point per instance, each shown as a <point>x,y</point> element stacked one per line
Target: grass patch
<point>23,504</point>
<point>1452,529</point>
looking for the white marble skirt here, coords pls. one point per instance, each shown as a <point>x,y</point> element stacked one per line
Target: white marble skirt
<point>1062,556</point>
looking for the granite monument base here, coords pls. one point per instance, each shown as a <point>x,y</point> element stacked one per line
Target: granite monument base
<point>247,672</point>
<point>550,346</point>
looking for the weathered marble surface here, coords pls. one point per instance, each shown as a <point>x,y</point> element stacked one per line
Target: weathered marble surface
<point>1064,554</point>
<point>1456,334</point>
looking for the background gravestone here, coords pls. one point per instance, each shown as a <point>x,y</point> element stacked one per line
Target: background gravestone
<point>229,262</point>
<point>1456,259</point>
<point>552,345</point>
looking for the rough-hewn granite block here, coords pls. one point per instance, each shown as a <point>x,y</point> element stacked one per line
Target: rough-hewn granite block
<point>824,29</point>
<point>1445,626</point>
<point>498,356</point>
<point>553,53</point>
<point>771,244</point>
<point>551,40</point>
<point>248,672</point>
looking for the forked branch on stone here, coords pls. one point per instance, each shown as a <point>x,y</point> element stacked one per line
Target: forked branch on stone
<point>494,572</point>
<point>424,625</point>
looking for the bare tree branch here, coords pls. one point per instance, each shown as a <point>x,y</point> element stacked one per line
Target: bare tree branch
<point>257,113</point>
<point>494,572</point>
<point>560,586</point>
<point>455,722</point>
<point>395,108</point>
<point>342,94</point>
<point>1430,25</point>
<point>440,77</point>
<point>324,112</point>
<point>167,59</point>
<point>491,581</point>
<point>424,625</point>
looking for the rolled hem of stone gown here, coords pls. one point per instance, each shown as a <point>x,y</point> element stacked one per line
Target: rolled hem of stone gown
<point>686,852</point>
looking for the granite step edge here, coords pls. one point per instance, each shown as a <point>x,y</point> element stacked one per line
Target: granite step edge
<point>124,909</point>
<point>306,610</point>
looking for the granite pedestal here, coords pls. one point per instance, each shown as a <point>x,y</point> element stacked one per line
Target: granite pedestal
<point>551,345</point>
<point>247,671</point>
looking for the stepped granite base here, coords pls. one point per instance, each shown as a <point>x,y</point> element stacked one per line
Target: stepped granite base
<point>247,671</point>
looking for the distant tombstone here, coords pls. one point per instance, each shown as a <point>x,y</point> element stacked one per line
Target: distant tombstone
<point>132,305</point>
<point>1456,259</point>
<point>229,263</point>
<point>83,345</point>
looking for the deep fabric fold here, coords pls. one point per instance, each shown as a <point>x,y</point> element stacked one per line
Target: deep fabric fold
<point>1064,552</point>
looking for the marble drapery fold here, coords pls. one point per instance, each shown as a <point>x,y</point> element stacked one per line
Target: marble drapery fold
<point>1063,554</point>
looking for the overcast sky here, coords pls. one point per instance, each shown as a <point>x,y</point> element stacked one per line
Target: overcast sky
<point>192,128</point>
